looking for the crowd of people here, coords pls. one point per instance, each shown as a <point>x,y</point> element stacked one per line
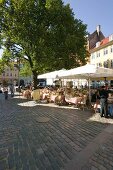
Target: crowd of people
<point>101,98</point>
<point>7,89</point>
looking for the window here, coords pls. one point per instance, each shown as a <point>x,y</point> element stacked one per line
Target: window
<point>93,56</point>
<point>111,63</point>
<point>105,51</point>
<point>100,64</point>
<point>111,48</point>
<point>105,64</point>
<point>98,54</point>
<point>16,65</point>
<point>11,74</point>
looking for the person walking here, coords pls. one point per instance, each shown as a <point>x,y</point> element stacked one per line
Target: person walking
<point>103,94</point>
<point>5,90</point>
<point>12,90</point>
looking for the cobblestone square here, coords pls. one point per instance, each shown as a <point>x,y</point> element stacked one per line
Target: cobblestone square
<point>69,138</point>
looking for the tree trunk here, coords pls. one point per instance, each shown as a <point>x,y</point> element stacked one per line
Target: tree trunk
<point>34,79</point>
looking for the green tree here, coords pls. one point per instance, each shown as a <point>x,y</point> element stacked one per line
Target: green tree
<point>43,32</point>
<point>25,71</point>
<point>1,66</point>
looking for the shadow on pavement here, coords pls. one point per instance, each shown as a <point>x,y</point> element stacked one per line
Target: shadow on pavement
<point>51,144</point>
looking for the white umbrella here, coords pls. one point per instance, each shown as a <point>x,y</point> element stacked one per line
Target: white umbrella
<point>51,75</point>
<point>84,72</point>
<point>88,71</point>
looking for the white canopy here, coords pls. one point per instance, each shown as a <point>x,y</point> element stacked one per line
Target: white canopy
<point>88,71</point>
<point>51,75</point>
<point>85,72</point>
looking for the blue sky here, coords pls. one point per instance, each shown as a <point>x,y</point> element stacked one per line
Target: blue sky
<point>93,13</point>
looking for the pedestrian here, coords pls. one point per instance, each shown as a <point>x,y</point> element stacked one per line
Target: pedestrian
<point>12,90</point>
<point>5,90</point>
<point>103,94</point>
<point>0,88</point>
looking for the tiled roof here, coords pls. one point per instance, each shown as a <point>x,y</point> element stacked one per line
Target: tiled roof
<point>94,38</point>
<point>104,41</point>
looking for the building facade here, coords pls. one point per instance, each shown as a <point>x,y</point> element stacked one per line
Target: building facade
<point>102,54</point>
<point>10,75</point>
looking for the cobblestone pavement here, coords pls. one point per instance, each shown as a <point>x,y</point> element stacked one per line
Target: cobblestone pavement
<point>70,139</point>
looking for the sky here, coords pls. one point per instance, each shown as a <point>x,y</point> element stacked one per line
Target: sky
<point>93,13</point>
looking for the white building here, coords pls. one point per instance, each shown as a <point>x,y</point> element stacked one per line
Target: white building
<point>102,54</point>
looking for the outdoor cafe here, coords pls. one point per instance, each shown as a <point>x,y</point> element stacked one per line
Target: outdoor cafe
<point>67,95</point>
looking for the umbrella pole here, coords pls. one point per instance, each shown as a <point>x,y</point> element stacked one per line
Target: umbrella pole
<point>89,91</point>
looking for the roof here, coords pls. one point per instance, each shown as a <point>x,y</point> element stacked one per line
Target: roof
<point>104,41</point>
<point>94,38</point>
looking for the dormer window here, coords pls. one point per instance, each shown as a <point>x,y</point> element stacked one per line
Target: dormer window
<point>111,37</point>
<point>97,44</point>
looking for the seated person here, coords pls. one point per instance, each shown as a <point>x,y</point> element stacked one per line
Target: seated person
<point>60,99</point>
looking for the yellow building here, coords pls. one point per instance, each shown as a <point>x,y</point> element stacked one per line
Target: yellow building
<point>102,54</point>
<point>10,75</point>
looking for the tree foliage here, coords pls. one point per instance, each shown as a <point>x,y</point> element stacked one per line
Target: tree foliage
<point>25,70</point>
<point>43,32</point>
<point>1,66</point>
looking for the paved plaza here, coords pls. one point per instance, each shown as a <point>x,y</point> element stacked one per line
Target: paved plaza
<point>44,137</point>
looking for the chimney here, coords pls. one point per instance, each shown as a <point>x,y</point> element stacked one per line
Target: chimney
<point>98,29</point>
